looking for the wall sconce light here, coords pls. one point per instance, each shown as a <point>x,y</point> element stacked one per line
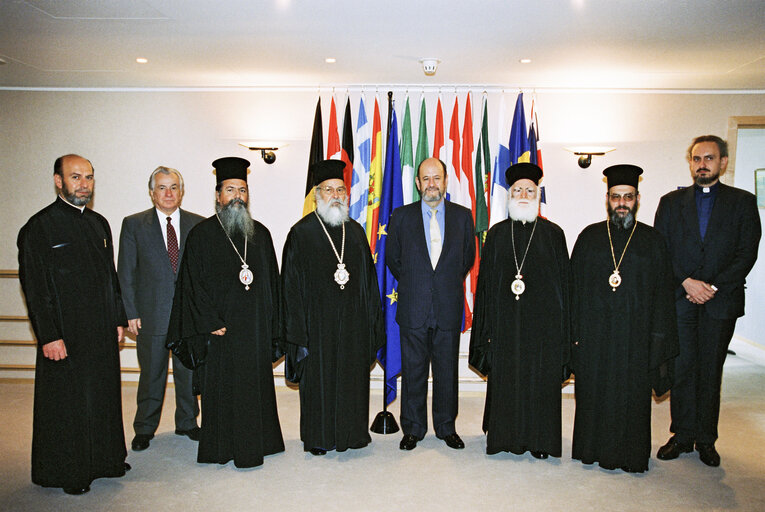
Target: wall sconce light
<point>266,151</point>
<point>585,153</point>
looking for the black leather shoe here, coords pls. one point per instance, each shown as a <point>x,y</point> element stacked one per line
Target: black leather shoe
<point>539,455</point>
<point>454,441</point>
<point>408,442</point>
<point>708,454</point>
<point>128,467</point>
<point>141,442</point>
<point>673,449</point>
<point>318,451</point>
<point>192,433</point>
<point>76,491</point>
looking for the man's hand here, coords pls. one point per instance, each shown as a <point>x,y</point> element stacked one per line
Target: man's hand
<point>134,324</point>
<point>698,292</point>
<point>120,333</point>
<point>220,332</point>
<point>55,350</point>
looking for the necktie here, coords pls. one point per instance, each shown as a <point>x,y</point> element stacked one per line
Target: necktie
<point>435,239</point>
<point>172,245</point>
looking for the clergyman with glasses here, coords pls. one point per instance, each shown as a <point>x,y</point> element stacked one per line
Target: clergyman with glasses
<point>520,336</point>
<point>333,322</point>
<point>623,329</point>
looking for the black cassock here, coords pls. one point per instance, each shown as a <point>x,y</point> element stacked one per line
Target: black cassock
<point>239,416</point>
<point>66,268</point>
<point>623,341</point>
<point>340,330</point>
<point>522,345</point>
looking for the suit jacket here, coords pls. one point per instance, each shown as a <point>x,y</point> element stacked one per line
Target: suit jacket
<point>419,285</point>
<point>145,273</point>
<point>728,251</point>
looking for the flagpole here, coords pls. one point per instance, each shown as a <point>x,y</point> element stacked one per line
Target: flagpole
<point>385,422</point>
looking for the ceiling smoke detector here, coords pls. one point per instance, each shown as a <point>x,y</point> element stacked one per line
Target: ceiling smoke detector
<point>429,65</point>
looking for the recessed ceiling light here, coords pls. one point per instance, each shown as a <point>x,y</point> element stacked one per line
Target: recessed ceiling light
<point>525,61</point>
<point>330,60</point>
<point>142,60</point>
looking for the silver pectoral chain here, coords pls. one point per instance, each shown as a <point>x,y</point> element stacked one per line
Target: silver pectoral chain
<point>518,286</point>
<point>341,274</point>
<point>245,275</point>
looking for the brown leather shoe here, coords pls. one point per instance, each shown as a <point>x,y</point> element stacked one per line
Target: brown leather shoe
<point>673,449</point>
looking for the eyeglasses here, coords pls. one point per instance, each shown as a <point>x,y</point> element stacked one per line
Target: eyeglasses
<point>628,197</point>
<point>331,190</point>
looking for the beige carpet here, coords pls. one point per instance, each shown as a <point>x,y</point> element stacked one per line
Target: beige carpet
<point>381,477</point>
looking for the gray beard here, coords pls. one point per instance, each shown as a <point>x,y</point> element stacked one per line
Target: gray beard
<point>523,213</point>
<point>625,222</point>
<point>235,217</point>
<point>332,215</point>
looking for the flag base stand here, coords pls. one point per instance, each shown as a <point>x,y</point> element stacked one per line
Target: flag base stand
<point>384,423</point>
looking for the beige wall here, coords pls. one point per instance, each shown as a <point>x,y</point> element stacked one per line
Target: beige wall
<point>127,134</point>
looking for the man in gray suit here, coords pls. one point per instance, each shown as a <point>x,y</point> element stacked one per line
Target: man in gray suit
<point>149,257</point>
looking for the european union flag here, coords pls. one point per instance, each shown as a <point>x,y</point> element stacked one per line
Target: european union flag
<point>389,356</point>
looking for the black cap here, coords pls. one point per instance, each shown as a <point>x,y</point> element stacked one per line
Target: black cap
<point>622,174</point>
<point>327,170</point>
<point>230,168</point>
<point>521,171</point>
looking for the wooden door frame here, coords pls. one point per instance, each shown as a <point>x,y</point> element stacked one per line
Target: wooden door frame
<point>734,123</point>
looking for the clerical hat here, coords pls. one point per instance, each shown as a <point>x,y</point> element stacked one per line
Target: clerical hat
<point>327,170</point>
<point>622,174</point>
<point>523,171</point>
<point>230,168</point>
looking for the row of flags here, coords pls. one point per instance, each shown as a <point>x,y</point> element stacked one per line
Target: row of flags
<point>381,181</point>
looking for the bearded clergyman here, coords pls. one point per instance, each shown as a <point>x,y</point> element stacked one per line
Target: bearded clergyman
<point>623,329</point>
<point>520,335</point>
<point>333,317</point>
<point>228,293</point>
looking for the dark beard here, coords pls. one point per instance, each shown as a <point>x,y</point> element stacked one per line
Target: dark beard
<point>624,222</point>
<point>703,181</point>
<point>72,197</point>
<point>235,218</point>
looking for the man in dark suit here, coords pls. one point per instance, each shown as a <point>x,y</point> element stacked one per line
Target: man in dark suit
<point>431,248</point>
<point>712,232</point>
<point>150,253</point>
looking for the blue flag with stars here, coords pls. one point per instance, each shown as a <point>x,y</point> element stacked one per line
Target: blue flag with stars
<point>389,356</point>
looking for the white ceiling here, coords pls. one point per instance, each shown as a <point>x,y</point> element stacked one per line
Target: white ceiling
<point>646,44</point>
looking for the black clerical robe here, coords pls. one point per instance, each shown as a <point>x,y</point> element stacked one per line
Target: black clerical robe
<point>522,345</point>
<point>331,334</point>
<point>623,340</point>
<point>239,416</point>
<point>66,268</point>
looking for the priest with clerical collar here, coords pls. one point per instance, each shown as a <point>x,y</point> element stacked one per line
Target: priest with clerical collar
<point>623,329</point>
<point>520,335</point>
<point>333,317</point>
<point>228,296</point>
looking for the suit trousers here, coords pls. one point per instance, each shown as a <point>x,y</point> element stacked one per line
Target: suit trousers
<point>153,359</point>
<point>695,395</point>
<point>420,349</point>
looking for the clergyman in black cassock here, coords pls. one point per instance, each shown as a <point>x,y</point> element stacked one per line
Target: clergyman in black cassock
<point>239,314</point>
<point>520,335</point>
<point>66,268</point>
<point>623,327</point>
<point>333,327</point>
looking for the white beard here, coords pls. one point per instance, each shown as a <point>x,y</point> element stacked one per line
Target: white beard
<point>333,212</point>
<point>523,212</point>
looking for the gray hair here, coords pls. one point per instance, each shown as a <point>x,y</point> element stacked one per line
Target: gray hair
<point>164,170</point>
